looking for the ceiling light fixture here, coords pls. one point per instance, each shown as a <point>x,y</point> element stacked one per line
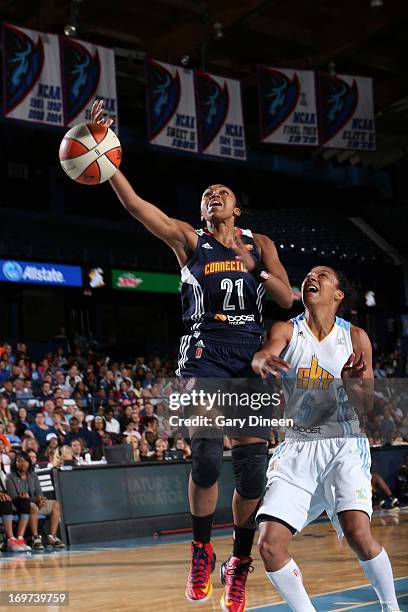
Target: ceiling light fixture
<point>218,31</point>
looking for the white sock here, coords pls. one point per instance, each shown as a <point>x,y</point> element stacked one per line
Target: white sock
<point>379,573</point>
<point>288,582</point>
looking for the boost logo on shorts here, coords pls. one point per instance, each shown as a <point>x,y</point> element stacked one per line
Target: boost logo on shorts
<point>235,320</point>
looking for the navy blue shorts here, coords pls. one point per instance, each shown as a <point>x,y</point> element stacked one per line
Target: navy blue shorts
<point>216,358</point>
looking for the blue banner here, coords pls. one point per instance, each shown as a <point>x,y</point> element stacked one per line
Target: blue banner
<point>14,271</point>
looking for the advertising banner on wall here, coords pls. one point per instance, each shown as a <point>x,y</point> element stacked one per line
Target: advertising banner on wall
<point>16,271</point>
<point>131,280</point>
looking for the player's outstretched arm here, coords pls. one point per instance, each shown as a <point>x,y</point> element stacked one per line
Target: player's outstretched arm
<point>177,234</point>
<point>266,360</point>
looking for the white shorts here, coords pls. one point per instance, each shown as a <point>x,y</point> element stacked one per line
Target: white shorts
<point>305,478</point>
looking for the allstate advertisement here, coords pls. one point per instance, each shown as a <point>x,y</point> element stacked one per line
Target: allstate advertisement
<point>29,272</point>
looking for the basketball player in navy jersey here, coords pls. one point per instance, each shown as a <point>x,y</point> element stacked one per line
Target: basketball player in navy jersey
<point>324,462</point>
<point>225,274</point>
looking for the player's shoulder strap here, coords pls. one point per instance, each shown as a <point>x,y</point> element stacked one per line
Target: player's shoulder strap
<point>343,323</point>
<point>300,317</point>
<point>246,232</point>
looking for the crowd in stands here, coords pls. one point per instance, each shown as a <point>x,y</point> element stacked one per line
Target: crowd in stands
<point>69,407</point>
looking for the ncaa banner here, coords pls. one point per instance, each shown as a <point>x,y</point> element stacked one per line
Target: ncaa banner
<point>287,100</point>
<point>31,76</point>
<point>346,112</point>
<point>220,120</point>
<point>171,109</point>
<point>89,72</point>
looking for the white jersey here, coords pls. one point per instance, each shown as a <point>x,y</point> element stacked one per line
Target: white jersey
<point>314,394</point>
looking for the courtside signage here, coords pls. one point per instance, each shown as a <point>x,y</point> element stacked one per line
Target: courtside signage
<point>14,271</point>
<point>131,280</point>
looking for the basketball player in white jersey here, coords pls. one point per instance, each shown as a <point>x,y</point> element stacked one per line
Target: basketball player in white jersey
<point>324,462</point>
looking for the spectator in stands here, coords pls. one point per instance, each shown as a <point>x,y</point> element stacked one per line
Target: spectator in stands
<point>77,447</point>
<point>382,493</point>
<point>160,448</point>
<point>132,430</point>
<point>35,376</point>
<point>34,459</point>
<point>98,438</point>
<point>11,434</point>
<point>22,505</point>
<point>7,392</point>
<point>48,412</point>
<point>134,442</point>
<point>63,456</point>
<point>404,428</point>
<point>112,424</point>
<point>22,422</point>
<point>387,427</point>
<point>181,445</point>
<point>144,451</point>
<point>45,391</point>
<point>75,431</point>
<point>397,439</point>
<point>5,456</point>
<point>4,439</point>
<point>5,414</point>
<point>23,482</point>
<point>40,429</point>
<point>402,483</point>
<point>60,425</point>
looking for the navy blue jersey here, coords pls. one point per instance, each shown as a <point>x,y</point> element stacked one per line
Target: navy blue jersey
<point>219,297</point>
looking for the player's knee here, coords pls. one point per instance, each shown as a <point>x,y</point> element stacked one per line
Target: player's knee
<point>359,539</point>
<point>249,463</point>
<point>271,548</point>
<point>206,460</point>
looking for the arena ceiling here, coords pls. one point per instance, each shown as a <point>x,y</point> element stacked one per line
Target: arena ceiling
<point>362,37</point>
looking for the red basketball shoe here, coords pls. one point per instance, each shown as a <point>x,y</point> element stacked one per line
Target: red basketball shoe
<point>199,587</point>
<point>234,573</point>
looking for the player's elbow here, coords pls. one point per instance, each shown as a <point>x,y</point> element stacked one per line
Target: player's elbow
<point>285,300</point>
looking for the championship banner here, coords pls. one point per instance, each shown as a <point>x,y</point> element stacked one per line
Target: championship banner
<point>88,72</point>
<point>171,110</point>
<point>346,112</point>
<point>220,120</point>
<point>287,101</point>
<point>31,76</point>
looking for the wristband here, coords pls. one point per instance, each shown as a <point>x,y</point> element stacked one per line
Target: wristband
<point>260,274</point>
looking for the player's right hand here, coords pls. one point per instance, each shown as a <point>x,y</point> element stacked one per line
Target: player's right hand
<point>264,364</point>
<point>97,114</point>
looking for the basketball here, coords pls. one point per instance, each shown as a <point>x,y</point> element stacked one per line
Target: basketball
<point>90,153</point>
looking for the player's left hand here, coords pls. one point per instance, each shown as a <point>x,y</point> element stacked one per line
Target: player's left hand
<point>97,114</point>
<point>243,254</point>
<point>353,369</point>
